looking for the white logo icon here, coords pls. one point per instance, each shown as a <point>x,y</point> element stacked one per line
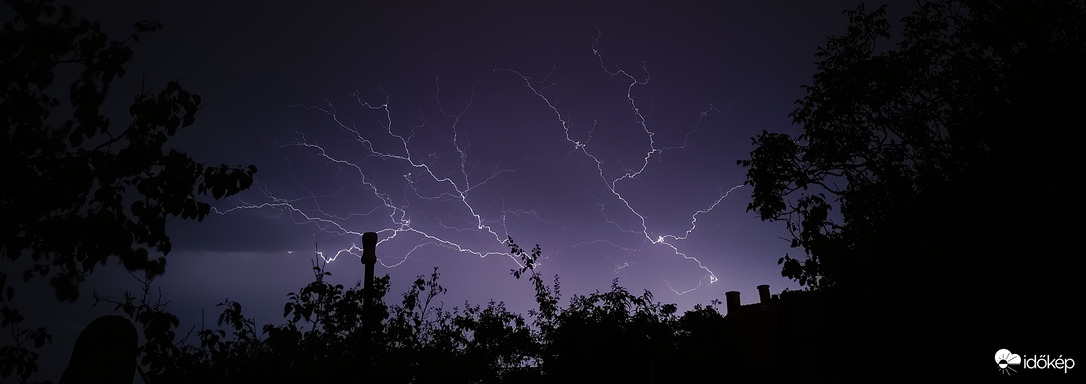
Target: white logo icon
<point>1005,359</point>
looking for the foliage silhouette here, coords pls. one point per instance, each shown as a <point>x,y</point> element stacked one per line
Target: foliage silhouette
<point>80,189</point>
<point>74,207</point>
<point>88,191</point>
<point>946,156</point>
<point>421,341</point>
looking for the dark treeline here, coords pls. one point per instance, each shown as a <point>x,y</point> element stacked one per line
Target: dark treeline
<point>613,336</point>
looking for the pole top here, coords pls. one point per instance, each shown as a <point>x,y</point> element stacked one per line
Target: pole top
<point>369,248</point>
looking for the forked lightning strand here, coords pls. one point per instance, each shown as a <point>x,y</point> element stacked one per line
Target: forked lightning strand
<point>458,189</point>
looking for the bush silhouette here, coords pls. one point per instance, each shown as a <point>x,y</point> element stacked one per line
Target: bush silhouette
<point>418,341</point>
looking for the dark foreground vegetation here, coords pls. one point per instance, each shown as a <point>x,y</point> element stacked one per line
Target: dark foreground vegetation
<point>614,336</point>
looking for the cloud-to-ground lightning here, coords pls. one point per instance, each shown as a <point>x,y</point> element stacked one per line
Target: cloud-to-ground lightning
<point>456,187</point>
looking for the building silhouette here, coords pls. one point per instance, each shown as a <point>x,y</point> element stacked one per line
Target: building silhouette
<point>776,339</point>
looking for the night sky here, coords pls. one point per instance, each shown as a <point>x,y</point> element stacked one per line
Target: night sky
<point>608,134</point>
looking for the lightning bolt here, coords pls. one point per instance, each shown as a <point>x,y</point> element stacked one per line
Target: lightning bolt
<point>538,87</point>
<point>456,186</point>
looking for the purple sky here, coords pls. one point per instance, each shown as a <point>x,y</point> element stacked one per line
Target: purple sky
<point>484,146</point>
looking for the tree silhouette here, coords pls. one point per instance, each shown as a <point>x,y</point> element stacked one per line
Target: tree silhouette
<point>415,341</point>
<point>612,329</point>
<point>78,189</point>
<point>612,336</point>
<point>946,156</point>
<point>702,349</point>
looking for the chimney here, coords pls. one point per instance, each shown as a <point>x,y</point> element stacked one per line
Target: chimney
<point>369,258</point>
<point>731,298</point>
<point>763,293</point>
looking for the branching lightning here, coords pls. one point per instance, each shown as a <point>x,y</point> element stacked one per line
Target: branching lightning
<point>458,187</point>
